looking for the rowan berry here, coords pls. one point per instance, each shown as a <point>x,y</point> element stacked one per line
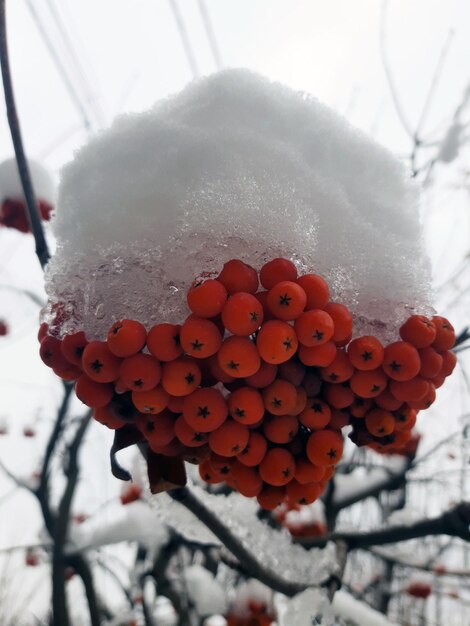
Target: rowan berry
<point>276,271</point>
<point>51,353</point>
<point>438,381</point>
<point>229,439</point>
<point>247,480</point>
<point>242,314</point>
<point>299,493</point>
<point>239,357</point>
<point>238,276</point>
<point>215,372</point>
<point>325,447</point>
<point>175,404</point>
<point>300,402</point>
<point>187,435</point>
<point>207,299</point>
<point>280,428</point>
<point>329,473</point>
<point>400,439</point>
<point>254,451</point>
<point>126,337</point>
<point>338,396</point>
<point>426,401</point>
<point>286,300</point>
<point>312,384</point>
<point>263,377</point>
<point>262,297</point>
<point>152,401</point>
<point>276,342</point>
<point>317,356</point>
<point>339,370</point>
<point>72,347</point>
<point>386,400</point>
<point>306,472</point>
<point>199,337</point>
<point>445,334</point>
<point>419,331</point>
<point>163,342</point>
<point>140,372</point>
<point>246,405</point>
<point>339,419</point>
<point>174,448</point>
<point>280,397</point>
<point>379,422</point>
<point>316,414</point>
<point>314,328</point>
<point>181,377</point>
<point>431,362</point>
<point>208,474</point>
<point>317,290</point>
<point>158,430</point>
<point>68,372</point>
<point>91,393</point>
<point>278,467</point>
<point>222,465</point>
<point>368,384</point>
<point>99,363</point>
<point>366,353</point>
<point>342,320</point>
<point>42,332</point>
<point>105,416</point>
<point>205,409</point>
<point>401,361</point>
<point>410,390</point>
<point>449,361</point>
<point>405,418</point>
<point>271,497</point>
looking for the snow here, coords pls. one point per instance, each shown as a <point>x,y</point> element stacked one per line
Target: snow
<point>10,184</point>
<point>248,592</point>
<point>207,595</point>
<point>234,166</point>
<point>344,605</point>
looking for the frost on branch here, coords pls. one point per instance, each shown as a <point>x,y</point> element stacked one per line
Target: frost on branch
<point>234,166</point>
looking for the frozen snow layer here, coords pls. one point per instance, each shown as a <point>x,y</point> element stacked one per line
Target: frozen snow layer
<point>10,183</point>
<point>234,166</point>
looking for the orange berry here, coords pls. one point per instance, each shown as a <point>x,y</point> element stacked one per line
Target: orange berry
<point>325,447</point>
<point>254,451</point>
<point>276,271</point>
<point>199,337</point>
<point>262,297</point>
<point>239,357</point>
<point>72,347</point>
<point>387,401</point>
<point>51,353</point>
<point>276,342</point>
<point>306,472</point>
<point>106,417</point>
<point>342,320</point>
<point>42,332</point>
<point>302,493</point>
<point>314,328</point>
<point>301,401</point>
<point>152,401</point>
<point>99,363</point>
<point>449,361</point>
<point>126,337</point>
<point>368,384</point>
<point>180,377</point>
<point>426,401</point>
<point>286,300</point>
<point>316,414</point>
<point>280,428</point>
<point>207,299</point>
<point>229,439</point>
<point>246,405</point>
<point>317,356</point>
<point>431,362</point>
<point>292,371</point>
<point>312,384</point>
<point>366,353</point>
<point>379,422</point>
<point>401,361</point>
<point>280,397</point>
<point>410,390</point>
<point>238,276</point>
<point>445,334</point>
<point>175,404</point>
<point>205,409</point>
<point>68,372</point>
<point>419,331</point>
<point>338,396</point>
<point>401,438</point>
<point>208,474</point>
<point>140,372</point>
<point>405,419</point>
<point>242,314</point>
<point>158,430</point>
<point>263,377</point>
<point>329,473</point>
<point>278,467</point>
<point>438,381</point>
<point>247,480</point>
<point>187,435</point>
<point>271,497</point>
<point>174,448</point>
<point>339,419</point>
<point>163,341</point>
<point>339,370</point>
<point>222,465</point>
<point>316,289</point>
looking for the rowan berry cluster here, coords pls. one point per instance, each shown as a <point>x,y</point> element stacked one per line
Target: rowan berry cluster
<point>255,614</point>
<point>257,383</point>
<point>13,214</point>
